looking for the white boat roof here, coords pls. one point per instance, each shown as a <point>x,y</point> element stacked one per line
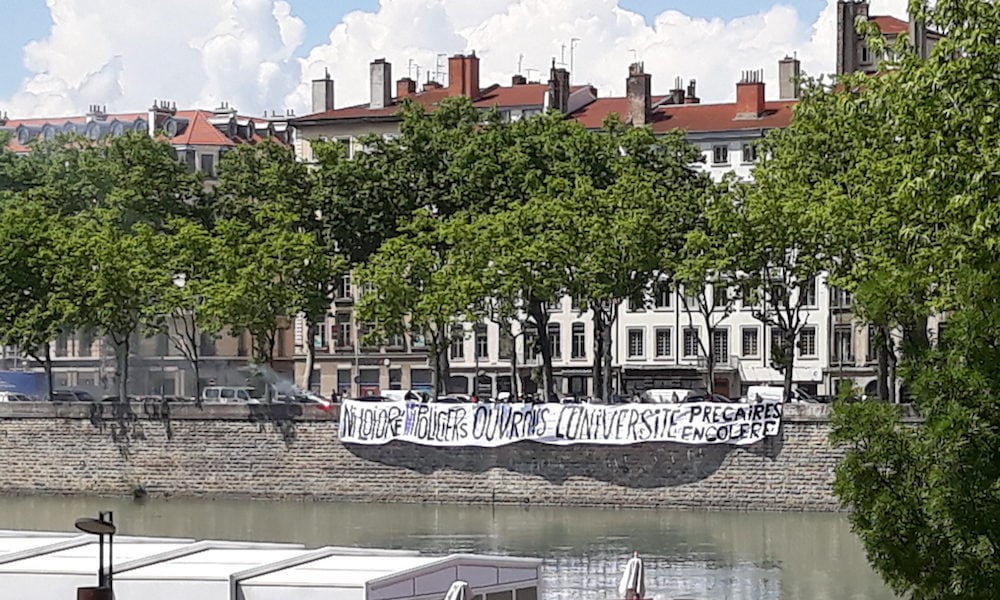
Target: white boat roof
<point>153,567</point>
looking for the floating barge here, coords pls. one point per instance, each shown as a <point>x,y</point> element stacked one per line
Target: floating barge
<point>36,565</point>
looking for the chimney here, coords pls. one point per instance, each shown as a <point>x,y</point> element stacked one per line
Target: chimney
<point>159,112</point>
<point>789,71</point>
<point>322,93</point>
<point>463,75</point>
<point>405,87</point>
<point>432,85</point>
<point>518,80</point>
<point>381,84</point>
<point>848,41</point>
<point>677,94</point>
<point>558,92</point>
<point>637,90</point>
<point>750,95</point>
<point>96,112</point>
<point>691,97</point>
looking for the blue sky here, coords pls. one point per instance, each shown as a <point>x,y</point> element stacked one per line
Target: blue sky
<point>29,20</point>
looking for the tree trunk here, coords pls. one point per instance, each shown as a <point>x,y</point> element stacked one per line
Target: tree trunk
<point>49,380</point>
<point>891,360</point>
<point>540,315</point>
<point>710,357</point>
<point>788,358</point>
<point>608,320</point>
<point>598,370</point>
<point>121,352</point>
<point>307,377</point>
<point>882,348</point>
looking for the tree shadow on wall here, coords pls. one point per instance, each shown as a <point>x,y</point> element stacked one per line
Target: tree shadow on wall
<point>646,465</point>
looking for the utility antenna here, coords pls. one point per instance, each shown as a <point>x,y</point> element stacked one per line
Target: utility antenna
<point>528,71</point>
<point>635,55</point>
<point>572,48</point>
<point>520,60</point>
<point>562,55</point>
<point>409,68</point>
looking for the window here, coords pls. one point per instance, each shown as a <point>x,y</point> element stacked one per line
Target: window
<point>457,347</point>
<point>720,296</point>
<point>344,381</point>
<point>808,290</point>
<point>843,345</point>
<point>344,289</point>
<point>749,153</point>
<point>635,343</point>
<point>482,342</point>
<point>84,343</point>
<point>750,342</point>
<point>872,351</point>
<point>720,154</point>
<point>663,342</point>
<point>208,165</point>
<point>579,349</point>
<point>720,345</point>
<point>348,147</point>
<point>241,344</point>
<point>342,333</point>
<point>62,344</point>
<point>506,345</point>
<point>530,343</point>
<point>575,304</point>
<point>418,341</point>
<point>396,340</point>
<point>807,341</point>
<point>692,346</point>
<point>866,54</point>
<point>395,379</point>
<point>662,294</point>
<point>777,343</point>
<point>690,298</point>
<point>555,340</point>
<point>530,112</point>
<point>319,337</point>
<point>636,304</point>
<point>840,298</point>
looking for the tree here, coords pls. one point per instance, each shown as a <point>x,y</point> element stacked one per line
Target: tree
<point>189,257</point>
<point>410,290</point>
<point>707,261</point>
<point>36,300</point>
<point>923,498</point>
<point>778,265</point>
<point>265,185</point>
<point>118,278</point>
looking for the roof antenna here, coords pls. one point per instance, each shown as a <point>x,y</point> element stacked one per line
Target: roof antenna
<point>635,55</point>
<point>572,48</point>
<point>520,60</point>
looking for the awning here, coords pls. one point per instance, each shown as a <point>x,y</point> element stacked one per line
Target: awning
<point>760,374</point>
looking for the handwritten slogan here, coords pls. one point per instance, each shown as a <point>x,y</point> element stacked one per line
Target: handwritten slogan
<point>498,424</point>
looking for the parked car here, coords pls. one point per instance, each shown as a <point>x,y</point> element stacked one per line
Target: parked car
<point>228,395</point>
<point>668,396</point>
<point>306,398</point>
<point>14,397</point>
<point>404,395</point>
<point>71,396</point>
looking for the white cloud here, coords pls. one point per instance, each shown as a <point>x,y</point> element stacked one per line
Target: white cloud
<point>124,53</point>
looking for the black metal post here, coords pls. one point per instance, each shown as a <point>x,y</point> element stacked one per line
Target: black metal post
<point>100,560</point>
<point>110,518</point>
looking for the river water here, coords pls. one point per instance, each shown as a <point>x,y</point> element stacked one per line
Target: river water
<point>690,555</point>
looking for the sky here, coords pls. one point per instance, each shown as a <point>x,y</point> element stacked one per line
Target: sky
<point>57,57</point>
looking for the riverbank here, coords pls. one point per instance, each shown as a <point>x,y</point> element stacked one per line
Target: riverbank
<point>285,453</point>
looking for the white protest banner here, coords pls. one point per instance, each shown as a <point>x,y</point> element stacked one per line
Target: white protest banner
<point>491,425</point>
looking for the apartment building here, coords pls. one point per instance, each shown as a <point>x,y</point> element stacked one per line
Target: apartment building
<point>84,360</point>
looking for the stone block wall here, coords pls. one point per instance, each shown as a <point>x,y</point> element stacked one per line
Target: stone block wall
<point>228,452</point>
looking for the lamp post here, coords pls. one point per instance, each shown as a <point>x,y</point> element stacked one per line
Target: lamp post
<point>103,525</point>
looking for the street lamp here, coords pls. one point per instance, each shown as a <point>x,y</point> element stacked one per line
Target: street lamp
<point>103,525</point>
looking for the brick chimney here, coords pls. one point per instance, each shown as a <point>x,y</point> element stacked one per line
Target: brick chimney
<point>558,93</point>
<point>789,72</point>
<point>750,95</point>
<point>322,93</point>
<point>381,84</point>
<point>518,80</point>
<point>638,92</point>
<point>405,87</point>
<point>677,94</point>
<point>692,97</point>
<point>463,75</point>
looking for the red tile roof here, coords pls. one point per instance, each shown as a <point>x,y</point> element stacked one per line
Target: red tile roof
<point>530,94</point>
<point>692,118</point>
<point>890,25</point>
<point>197,132</point>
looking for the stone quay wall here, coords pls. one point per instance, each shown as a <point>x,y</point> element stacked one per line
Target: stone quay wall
<point>283,453</point>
